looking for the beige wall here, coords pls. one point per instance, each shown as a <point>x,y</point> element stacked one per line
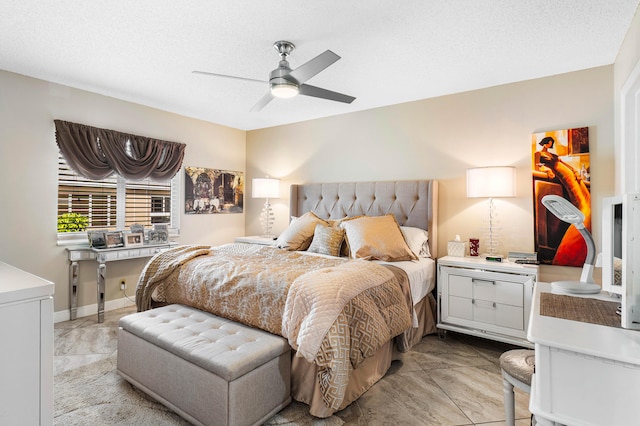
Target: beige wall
<point>439,139</point>
<point>28,171</point>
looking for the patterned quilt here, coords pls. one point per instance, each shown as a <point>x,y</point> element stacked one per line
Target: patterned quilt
<point>334,311</point>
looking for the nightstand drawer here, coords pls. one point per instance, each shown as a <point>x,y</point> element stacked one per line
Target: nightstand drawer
<point>490,289</point>
<point>505,292</point>
<point>461,307</point>
<point>460,286</point>
<point>498,314</point>
<point>485,312</point>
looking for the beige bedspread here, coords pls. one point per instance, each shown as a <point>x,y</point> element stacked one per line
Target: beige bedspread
<point>334,312</point>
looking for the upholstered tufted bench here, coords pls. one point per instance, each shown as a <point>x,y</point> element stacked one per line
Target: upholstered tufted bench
<point>210,370</point>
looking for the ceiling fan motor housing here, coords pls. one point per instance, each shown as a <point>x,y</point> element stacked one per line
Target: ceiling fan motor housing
<point>282,85</point>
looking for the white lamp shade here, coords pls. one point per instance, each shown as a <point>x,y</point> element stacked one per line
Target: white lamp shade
<point>489,182</point>
<point>265,188</point>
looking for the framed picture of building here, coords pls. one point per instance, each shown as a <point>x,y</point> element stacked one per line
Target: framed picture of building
<point>213,191</point>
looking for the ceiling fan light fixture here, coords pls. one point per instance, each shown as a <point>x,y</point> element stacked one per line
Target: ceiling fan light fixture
<point>284,90</point>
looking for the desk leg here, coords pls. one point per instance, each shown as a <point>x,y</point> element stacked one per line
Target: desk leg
<point>102,272</point>
<point>73,289</point>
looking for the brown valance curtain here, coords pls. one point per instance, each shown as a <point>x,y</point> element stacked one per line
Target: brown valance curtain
<point>97,153</point>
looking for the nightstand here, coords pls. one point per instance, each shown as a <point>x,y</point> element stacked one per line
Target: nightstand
<point>485,299</point>
<point>256,239</point>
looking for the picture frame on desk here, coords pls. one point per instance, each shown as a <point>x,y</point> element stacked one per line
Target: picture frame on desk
<point>157,236</point>
<point>137,228</point>
<point>114,239</point>
<point>96,239</point>
<point>135,239</point>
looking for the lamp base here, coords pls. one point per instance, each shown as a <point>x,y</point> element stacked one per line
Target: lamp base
<point>575,287</point>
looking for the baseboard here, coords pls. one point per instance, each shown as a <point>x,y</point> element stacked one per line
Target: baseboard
<point>85,311</point>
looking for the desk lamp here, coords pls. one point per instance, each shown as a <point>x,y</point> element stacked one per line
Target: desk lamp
<point>567,212</point>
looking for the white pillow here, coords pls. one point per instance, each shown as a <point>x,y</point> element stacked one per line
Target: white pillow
<point>417,239</point>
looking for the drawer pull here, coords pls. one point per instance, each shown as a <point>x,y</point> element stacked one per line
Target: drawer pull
<point>476,280</point>
<point>494,304</point>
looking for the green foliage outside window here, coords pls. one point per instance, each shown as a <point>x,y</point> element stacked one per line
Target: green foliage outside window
<point>72,222</point>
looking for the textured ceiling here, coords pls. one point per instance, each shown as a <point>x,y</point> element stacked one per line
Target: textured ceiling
<point>392,51</point>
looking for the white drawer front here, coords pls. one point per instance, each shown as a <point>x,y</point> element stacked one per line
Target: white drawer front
<point>510,316</point>
<point>507,292</point>
<point>498,314</point>
<point>460,307</point>
<point>460,286</point>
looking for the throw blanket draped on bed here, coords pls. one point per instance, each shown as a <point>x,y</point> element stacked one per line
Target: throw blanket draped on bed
<point>333,311</point>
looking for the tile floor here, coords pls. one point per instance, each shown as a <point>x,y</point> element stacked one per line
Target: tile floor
<point>453,380</point>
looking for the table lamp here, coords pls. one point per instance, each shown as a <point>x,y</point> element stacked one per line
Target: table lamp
<point>491,182</point>
<point>266,188</point>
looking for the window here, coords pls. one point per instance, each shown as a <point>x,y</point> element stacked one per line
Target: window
<point>116,203</point>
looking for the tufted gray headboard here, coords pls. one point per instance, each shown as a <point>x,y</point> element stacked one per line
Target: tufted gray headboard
<point>413,203</point>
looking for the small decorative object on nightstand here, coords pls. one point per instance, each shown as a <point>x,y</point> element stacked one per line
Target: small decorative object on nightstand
<point>485,299</point>
<point>474,246</point>
<point>457,247</point>
<point>256,239</point>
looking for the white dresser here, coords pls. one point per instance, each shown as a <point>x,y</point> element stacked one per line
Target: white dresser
<point>26,348</point>
<point>485,299</point>
<point>586,374</point>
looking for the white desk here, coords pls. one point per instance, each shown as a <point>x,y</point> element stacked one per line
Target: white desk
<point>26,348</point>
<point>585,374</point>
<point>102,256</point>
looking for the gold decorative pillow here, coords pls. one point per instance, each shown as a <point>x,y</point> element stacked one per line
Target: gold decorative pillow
<point>327,240</point>
<point>299,233</point>
<point>376,238</point>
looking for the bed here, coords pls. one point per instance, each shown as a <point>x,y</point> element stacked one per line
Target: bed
<point>346,319</point>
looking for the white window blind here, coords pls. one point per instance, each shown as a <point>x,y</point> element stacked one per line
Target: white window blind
<point>115,203</point>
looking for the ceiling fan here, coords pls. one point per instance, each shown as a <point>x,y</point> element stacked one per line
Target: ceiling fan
<point>287,83</point>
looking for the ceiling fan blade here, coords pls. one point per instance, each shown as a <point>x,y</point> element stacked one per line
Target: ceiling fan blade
<point>317,92</point>
<point>310,68</point>
<point>228,76</point>
<point>262,102</point>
